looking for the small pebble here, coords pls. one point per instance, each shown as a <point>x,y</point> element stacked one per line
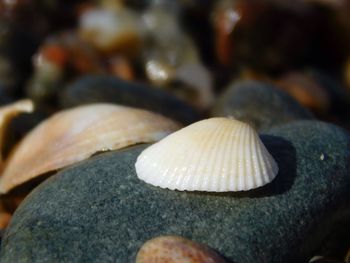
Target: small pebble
<point>175,249</point>
<point>306,90</point>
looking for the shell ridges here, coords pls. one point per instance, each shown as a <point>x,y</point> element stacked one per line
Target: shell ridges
<point>217,154</point>
<point>75,134</point>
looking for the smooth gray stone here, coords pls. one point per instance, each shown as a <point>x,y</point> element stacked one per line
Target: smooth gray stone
<point>259,104</point>
<point>90,89</point>
<point>99,211</point>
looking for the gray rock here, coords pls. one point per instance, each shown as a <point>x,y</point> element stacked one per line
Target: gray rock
<point>259,104</point>
<point>98,211</point>
<point>90,89</point>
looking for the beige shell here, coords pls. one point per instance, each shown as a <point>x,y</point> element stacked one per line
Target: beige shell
<point>218,155</point>
<point>175,249</point>
<point>75,134</point>
<point>8,112</point>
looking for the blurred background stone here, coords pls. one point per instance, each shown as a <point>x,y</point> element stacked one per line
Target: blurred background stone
<point>259,104</point>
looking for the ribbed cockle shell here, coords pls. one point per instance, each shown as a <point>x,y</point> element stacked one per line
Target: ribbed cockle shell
<point>75,134</point>
<point>218,155</point>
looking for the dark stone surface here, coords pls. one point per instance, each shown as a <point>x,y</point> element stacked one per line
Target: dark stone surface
<point>98,210</point>
<point>91,89</point>
<point>5,98</point>
<point>259,104</point>
<point>339,97</point>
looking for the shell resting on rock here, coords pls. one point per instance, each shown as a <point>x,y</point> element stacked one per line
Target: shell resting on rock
<point>218,155</point>
<point>75,134</point>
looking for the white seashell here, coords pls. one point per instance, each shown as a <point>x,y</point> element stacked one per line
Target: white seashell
<point>218,155</point>
<point>75,134</point>
<point>7,112</point>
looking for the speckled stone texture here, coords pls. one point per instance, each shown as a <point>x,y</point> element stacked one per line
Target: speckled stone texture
<point>259,104</point>
<point>90,89</point>
<point>98,211</point>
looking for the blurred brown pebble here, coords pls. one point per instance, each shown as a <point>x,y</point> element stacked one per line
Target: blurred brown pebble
<point>175,249</point>
<point>4,219</point>
<point>55,53</point>
<point>225,19</point>
<point>347,73</point>
<point>66,50</point>
<point>4,216</point>
<point>305,90</point>
<point>121,67</point>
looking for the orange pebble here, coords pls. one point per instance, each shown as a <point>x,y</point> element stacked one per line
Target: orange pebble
<point>305,90</point>
<point>55,53</point>
<point>121,68</point>
<point>174,249</point>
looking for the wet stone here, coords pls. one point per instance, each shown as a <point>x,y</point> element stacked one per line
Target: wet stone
<point>90,89</point>
<point>259,104</point>
<point>98,210</point>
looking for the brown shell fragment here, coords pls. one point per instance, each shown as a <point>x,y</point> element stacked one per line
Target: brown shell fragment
<point>175,249</point>
<point>8,112</point>
<point>4,219</point>
<point>75,134</point>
